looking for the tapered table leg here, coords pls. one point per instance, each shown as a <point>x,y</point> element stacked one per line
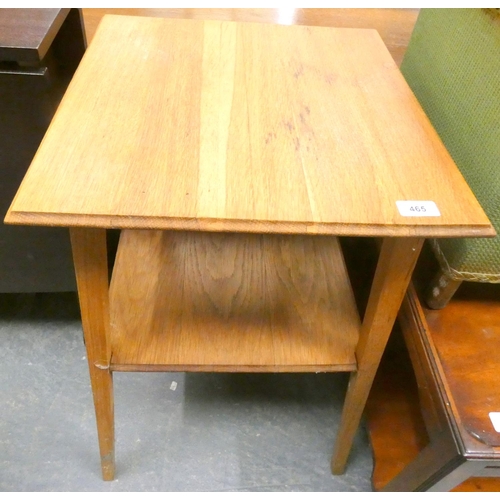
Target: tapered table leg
<point>397,259</point>
<point>90,260</point>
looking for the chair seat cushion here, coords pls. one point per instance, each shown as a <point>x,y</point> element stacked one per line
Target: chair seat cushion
<point>453,67</point>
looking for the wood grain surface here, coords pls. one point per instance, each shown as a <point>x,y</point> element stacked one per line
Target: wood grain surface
<point>394,404</point>
<point>26,34</point>
<point>393,272</point>
<point>231,302</point>
<point>394,25</point>
<point>463,391</point>
<point>242,127</point>
<point>466,336</point>
<point>90,258</point>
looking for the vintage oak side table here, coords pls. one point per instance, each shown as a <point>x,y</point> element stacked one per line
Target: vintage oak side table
<point>231,155</point>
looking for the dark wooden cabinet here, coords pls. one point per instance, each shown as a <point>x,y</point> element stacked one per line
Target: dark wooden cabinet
<point>40,50</point>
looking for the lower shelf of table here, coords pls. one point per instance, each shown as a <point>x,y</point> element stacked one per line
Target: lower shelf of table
<point>193,301</point>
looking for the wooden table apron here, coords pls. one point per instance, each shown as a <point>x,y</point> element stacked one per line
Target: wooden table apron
<point>234,154</point>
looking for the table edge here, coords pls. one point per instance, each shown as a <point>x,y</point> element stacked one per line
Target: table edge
<point>35,54</point>
<point>248,226</point>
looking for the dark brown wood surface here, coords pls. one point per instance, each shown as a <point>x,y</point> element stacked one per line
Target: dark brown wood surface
<point>26,34</point>
<point>466,366</point>
<point>33,259</point>
<point>395,424</point>
<point>466,334</point>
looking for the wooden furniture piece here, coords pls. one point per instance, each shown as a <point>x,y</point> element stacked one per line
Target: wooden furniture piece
<point>453,365</point>
<point>458,384</point>
<point>456,363</point>
<point>231,155</point>
<point>39,52</point>
<point>393,25</point>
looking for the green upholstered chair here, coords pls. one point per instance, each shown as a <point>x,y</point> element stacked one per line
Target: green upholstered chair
<point>453,67</point>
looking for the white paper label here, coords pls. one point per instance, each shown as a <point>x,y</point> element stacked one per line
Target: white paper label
<point>417,208</point>
<point>173,386</point>
<point>495,420</point>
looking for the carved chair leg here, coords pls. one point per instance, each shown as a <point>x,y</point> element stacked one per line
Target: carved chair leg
<point>441,290</point>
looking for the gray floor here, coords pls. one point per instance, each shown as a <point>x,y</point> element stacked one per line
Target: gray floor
<point>214,432</point>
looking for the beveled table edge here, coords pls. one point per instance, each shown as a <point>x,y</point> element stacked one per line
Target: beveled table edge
<point>248,226</point>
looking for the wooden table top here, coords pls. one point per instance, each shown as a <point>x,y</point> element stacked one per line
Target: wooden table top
<point>225,126</point>
<point>26,34</point>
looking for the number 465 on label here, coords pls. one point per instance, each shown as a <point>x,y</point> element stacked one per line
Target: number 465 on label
<point>416,208</point>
